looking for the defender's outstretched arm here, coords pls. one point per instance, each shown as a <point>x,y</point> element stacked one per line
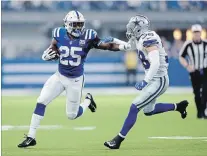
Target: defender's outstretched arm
<point>113,44</point>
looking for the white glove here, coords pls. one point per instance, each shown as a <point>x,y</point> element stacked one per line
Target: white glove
<point>125,47</point>
<point>49,54</point>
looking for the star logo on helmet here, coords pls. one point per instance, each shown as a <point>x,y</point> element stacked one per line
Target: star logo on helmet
<point>136,22</point>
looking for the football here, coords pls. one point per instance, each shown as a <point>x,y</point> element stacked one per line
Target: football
<point>54,48</point>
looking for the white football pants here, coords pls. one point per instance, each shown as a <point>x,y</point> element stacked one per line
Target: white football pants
<point>147,97</point>
<point>56,84</point>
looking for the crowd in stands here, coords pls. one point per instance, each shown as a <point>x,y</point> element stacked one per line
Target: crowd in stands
<point>129,5</point>
<point>25,47</point>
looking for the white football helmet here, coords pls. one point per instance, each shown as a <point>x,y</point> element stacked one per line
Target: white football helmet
<point>74,22</point>
<point>137,26</point>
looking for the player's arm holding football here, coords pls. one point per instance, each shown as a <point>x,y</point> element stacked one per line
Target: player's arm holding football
<point>51,52</point>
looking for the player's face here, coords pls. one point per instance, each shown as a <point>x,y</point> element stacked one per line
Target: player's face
<point>77,25</point>
<point>196,35</point>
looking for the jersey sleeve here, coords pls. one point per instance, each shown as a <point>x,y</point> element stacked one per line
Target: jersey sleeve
<point>57,33</point>
<point>183,50</point>
<point>92,38</point>
<point>150,39</point>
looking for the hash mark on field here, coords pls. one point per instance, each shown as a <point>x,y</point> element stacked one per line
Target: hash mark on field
<point>25,127</point>
<point>84,128</point>
<point>46,127</point>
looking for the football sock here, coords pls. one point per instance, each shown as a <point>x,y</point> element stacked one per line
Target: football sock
<point>37,116</point>
<point>85,104</point>
<point>80,111</point>
<point>129,121</point>
<point>161,108</point>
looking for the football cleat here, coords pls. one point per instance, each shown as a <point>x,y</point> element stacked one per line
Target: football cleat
<point>114,143</point>
<point>92,105</point>
<point>181,107</point>
<point>27,142</point>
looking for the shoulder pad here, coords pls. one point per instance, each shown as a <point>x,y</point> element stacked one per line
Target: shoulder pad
<point>150,38</point>
<point>57,33</point>
<point>90,34</point>
<point>149,34</point>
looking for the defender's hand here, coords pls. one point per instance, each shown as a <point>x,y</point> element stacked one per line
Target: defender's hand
<point>140,85</point>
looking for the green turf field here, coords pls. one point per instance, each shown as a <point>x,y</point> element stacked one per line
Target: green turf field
<point>108,120</point>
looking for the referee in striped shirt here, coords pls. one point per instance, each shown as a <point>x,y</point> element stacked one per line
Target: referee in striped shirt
<point>193,57</point>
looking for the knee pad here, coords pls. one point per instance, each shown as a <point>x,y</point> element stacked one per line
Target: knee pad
<point>71,116</point>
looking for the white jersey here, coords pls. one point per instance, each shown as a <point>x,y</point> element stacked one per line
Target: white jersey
<point>150,38</point>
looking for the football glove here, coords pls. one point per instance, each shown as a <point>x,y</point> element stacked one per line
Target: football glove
<point>125,47</point>
<point>107,40</point>
<point>50,54</point>
<point>140,85</point>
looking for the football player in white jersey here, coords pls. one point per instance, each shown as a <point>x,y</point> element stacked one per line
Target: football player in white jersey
<point>155,61</point>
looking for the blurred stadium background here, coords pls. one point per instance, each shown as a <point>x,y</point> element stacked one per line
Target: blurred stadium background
<point>27,27</point>
<point>26,33</point>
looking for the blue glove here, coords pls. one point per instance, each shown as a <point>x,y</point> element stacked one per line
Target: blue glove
<point>107,39</point>
<point>140,85</point>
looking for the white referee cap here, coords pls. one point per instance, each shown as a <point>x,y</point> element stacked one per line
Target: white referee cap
<point>196,27</point>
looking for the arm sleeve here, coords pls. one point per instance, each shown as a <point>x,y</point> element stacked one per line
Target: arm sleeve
<point>118,41</point>
<point>154,59</point>
<point>93,39</point>
<point>183,50</point>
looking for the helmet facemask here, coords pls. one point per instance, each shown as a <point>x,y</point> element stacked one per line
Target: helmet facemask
<point>75,28</point>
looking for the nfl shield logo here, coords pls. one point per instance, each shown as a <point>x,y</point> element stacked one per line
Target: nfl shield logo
<point>70,42</point>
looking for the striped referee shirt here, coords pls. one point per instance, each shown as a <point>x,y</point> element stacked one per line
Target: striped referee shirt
<point>195,53</point>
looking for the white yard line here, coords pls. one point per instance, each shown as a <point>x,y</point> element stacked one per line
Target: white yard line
<point>46,127</point>
<point>178,137</point>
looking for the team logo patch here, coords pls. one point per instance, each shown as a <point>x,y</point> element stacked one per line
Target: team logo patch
<point>82,42</point>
